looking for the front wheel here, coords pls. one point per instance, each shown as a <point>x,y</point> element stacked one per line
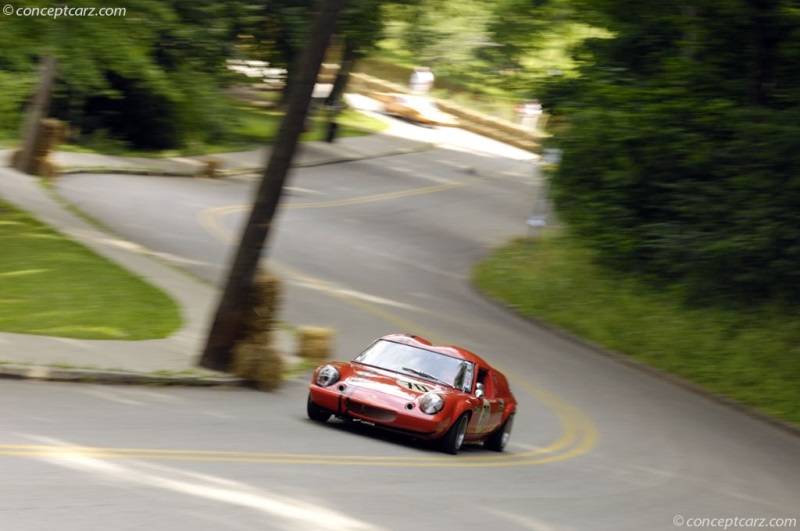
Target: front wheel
<point>499,439</point>
<point>454,438</point>
<point>315,412</point>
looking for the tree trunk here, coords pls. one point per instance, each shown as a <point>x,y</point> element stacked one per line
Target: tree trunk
<point>227,327</point>
<point>348,58</point>
<point>38,109</point>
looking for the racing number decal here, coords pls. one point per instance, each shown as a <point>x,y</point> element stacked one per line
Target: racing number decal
<point>413,386</point>
<point>483,417</point>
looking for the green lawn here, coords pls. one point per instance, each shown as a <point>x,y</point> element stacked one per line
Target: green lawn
<point>50,285</point>
<point>751,355</point>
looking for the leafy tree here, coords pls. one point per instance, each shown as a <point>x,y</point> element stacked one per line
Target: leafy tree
<point>276,32</point>
<point>280,31</point>
<point>360,29</point>
<point>508,44</point>
<point>532,40</point>
<point>677,154</point>
<point>445,34</point>
<point>139,76</point>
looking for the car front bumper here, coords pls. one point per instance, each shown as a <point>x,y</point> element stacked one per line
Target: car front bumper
<point>381,409</point>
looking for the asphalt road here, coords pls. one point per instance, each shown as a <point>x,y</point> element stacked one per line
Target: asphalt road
<point>369,248</point>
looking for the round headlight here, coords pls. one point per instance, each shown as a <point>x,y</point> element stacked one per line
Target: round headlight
<point>431,403</point>
<point>327,375</point>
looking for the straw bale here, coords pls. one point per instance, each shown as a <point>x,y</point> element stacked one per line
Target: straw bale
<point>315,343</point>
<point>269,372</point>
<point>246,357</point>
<point>211,169</point>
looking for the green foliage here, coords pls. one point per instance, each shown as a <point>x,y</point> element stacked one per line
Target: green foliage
<point>151,77</point>
<point>362,25</point>
<point>53,286</point>
<point>16,89</point>
<point>277,30</point>
<point>507,45</point>
<point>678,154</point>
<point>445,34</point>
<point>147,76</point>
<point>748,354</point>
<point>533,40</point>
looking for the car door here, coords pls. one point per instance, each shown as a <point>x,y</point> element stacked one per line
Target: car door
<point>489,413</point>
<point>496,404</point>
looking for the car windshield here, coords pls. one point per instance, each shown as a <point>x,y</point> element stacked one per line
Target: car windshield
<point>423,363</point>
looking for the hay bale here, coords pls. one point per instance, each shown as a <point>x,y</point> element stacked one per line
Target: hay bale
<point>246,359</point>
<point>211,169</point>
<point>315,343</point>
<point>267,290</point>
<point>42,167</point>
<point>254,358</point>
<point>269,372</point>
<point>265,299</point>
<point>50,134</point>
<point>257,362</point>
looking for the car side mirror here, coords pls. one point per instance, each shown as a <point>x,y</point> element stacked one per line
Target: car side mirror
<point>479,392</point>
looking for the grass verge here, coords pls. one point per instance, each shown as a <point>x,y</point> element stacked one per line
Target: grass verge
<point>751,355</point>
<point>54,286</point>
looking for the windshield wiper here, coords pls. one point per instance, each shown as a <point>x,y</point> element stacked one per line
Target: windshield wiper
<point>426,375</point>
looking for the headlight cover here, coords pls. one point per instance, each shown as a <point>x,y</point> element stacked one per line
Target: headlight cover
<point>431,403</point>
<point>328,375</point>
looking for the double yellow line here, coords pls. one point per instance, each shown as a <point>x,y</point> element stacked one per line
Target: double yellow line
<point>578,436</point>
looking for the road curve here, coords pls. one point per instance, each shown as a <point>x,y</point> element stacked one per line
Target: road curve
<point>382,246</point>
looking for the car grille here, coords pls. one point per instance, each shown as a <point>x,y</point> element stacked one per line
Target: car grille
<point>379,414</point>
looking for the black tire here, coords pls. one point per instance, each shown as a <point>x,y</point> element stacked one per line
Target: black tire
<point>499,439</point>
<point>317,413</point>
<point>454,438</point>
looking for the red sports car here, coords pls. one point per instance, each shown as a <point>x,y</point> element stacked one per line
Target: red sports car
<point>406,384</point>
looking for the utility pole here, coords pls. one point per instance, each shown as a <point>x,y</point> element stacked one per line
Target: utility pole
<point>227,324</point>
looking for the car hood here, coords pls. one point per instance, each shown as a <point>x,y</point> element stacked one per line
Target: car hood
<point>393,384</point>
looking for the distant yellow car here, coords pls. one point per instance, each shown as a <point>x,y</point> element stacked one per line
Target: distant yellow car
<point>417,109</point>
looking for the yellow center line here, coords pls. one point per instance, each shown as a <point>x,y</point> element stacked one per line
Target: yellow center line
<point>579,434</point>
<point>208,218</point>
<point>382,197</point>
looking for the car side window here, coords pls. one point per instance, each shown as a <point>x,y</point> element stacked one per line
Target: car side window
<point>463,380</point>
<point>487,379</point>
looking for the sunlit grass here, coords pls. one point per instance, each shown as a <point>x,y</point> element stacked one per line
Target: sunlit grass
<point>751,355</point>
<point>50,285</point>
<point>258,125</point>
